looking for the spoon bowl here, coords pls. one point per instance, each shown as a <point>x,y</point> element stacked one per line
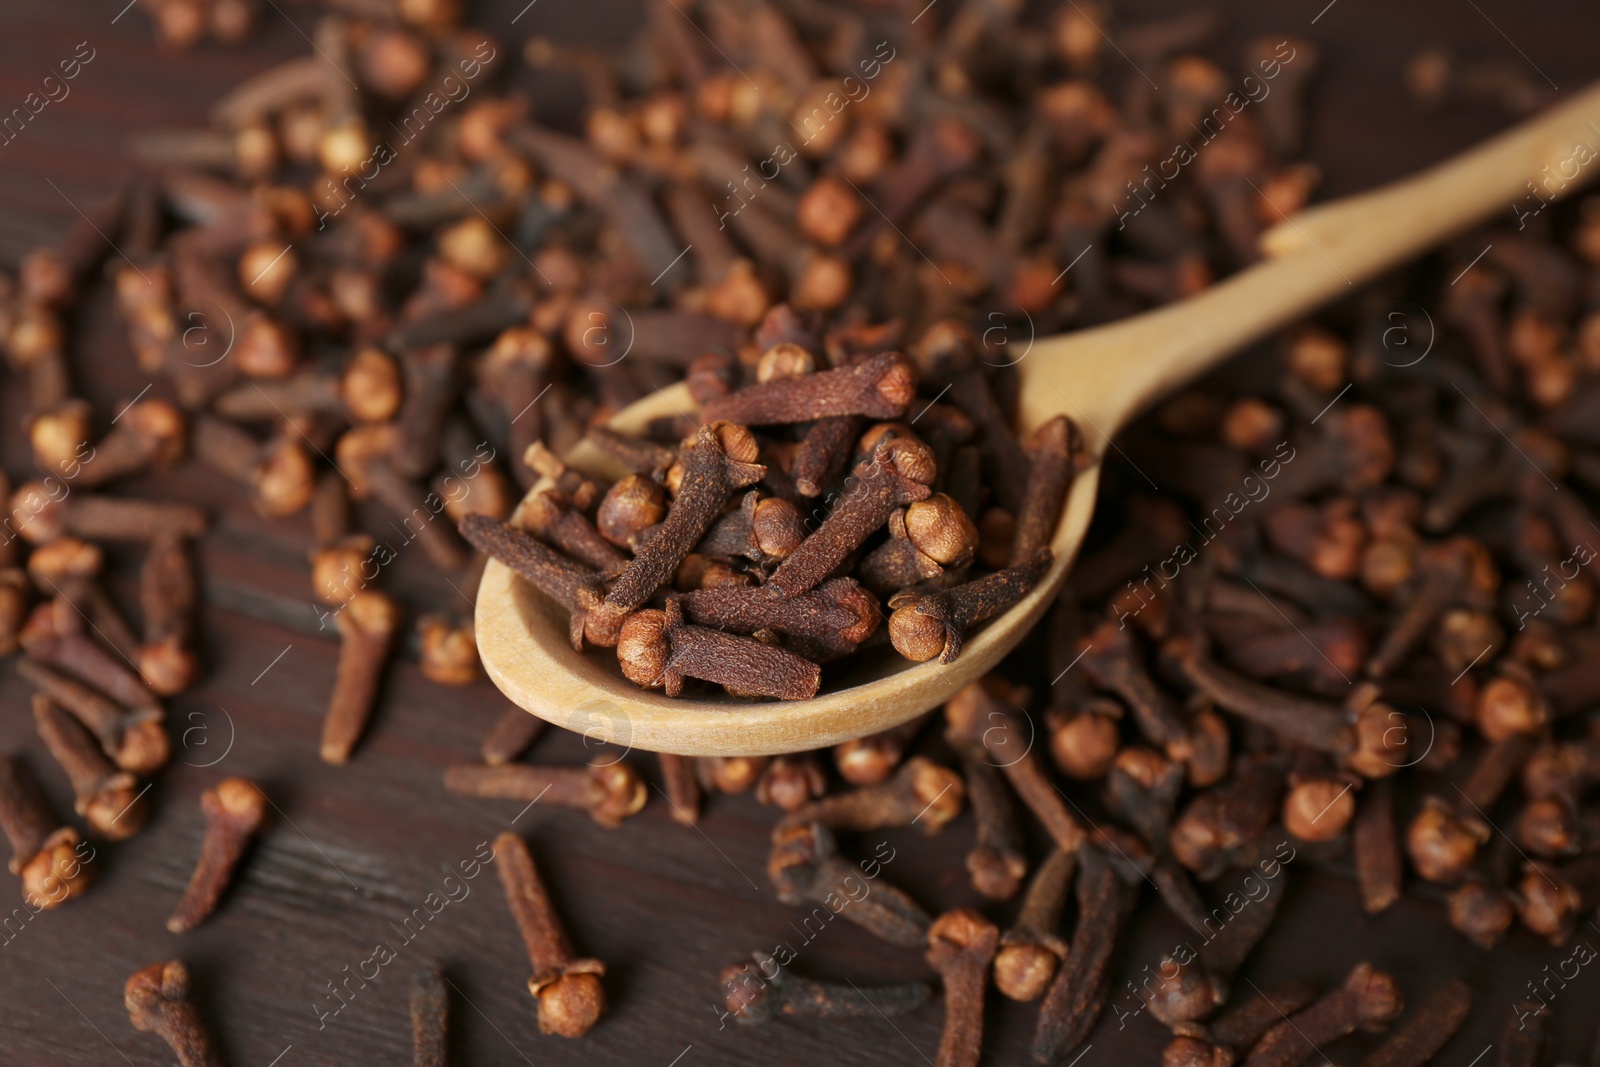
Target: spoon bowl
<point>524,646</point>
<point>1099,378</point>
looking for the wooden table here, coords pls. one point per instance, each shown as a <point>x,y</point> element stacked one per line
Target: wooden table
<point>354,851</point>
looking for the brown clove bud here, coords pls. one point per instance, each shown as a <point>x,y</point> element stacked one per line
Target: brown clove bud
<point>609,792</point>
<point>806,868</point>
<point>512,735</point>
<point>1429,1029</point>
<point>109,799</point>
<point>430,1019</point>
<point>1049,478</point>
<point>925,625</point>
<point>367,627</point>
<point>921,794</point>
<point>1369,1000</point>
<point>758,992</point>
<point>568,583</point>
<point>567,988</point>
<point>48,857</point>
<point>762,531</point>
<point>157,999</point>
<point>235,810</point>
<point>1031,950</point>
<point>657,648</point>
<point>169,593</point>
<point>681,786</point>
<point>879,387</point>
<point>448,651</point>
<point>898,474</point>
<point>990,710</point>
<point>1077,996</point>
<point>836,616</point>
<point>721,461</point>
<point>961,945</point>
<point>134,741</point>
<point>871,759</point>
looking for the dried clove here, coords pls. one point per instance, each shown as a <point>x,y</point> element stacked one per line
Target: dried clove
<point>806,868</point>
<point>720,462</point>
<point>1369,1000</point>
<point>48,857</point>
<point>681,787</point>
<point>609,792</point>
<point>758,992</point>
<point>961,945</point>
<point>135,741</point>
<point>157,999</point>
<point>569,584</point>
<point>430,1019</point>
<point>235,810</point>
<point>1005,739</point>
<point>1030,950</point>
<point>921,794</point>
<point>657,648</point>
<point>836,616</point>
<point>925,625</point>
<point>1077,996</point>
<point>1429,1029</point>
<point>367,627</point>
<point>880,387</point>
<point>109,799</point>
<point>1377,848</point>
<point>170,596</point>
<point>1049,478</point>
<point>871,759</point>
<point>567,988</point>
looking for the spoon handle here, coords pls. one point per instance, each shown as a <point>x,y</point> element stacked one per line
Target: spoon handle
<point>1106,375</point>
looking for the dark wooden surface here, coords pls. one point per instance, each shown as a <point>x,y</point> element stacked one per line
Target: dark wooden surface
<point>352,851</point>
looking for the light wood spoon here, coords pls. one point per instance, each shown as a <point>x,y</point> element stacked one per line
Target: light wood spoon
<point>1100,378</point>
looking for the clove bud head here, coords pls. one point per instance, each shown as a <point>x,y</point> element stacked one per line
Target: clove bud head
<point>1084,745</point>
<point>1319,809</point>
<point>239,801</point>
<point>1187,1051</point>
<point>168,666</point>
<point>916,636</point>
<point>1510,705</point>
<point>642,648</point>
<point>746,993</point>
<point>449,651</point>
<point>942,531</point>
<point>617,792</point>
<point>1187,996</point>
<point>961,945</point>
<point>1481,912</point>
<point>1023,971</point>
<point>145,747</point>
<point>114,812</point>
<point>570,1002</point>
<point>1383,740</point>
<point>157,999</point>
<point>1375,995</point>
<point>1441,844</point>
<point>57,873</point>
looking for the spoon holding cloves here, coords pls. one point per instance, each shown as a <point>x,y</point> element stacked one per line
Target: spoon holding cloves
<point>1099,379</point>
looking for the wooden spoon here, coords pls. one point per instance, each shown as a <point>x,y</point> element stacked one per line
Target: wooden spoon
<point>1100,378</point>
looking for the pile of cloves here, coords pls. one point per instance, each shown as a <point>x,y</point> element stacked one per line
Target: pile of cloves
<point>716,525</point>
<point>1340,614</point>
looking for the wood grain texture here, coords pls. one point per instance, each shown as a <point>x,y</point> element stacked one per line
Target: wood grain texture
<point>353,851</point>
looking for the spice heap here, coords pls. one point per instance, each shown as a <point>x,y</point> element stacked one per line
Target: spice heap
<point>744,562</point>
<point>375,288</point>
